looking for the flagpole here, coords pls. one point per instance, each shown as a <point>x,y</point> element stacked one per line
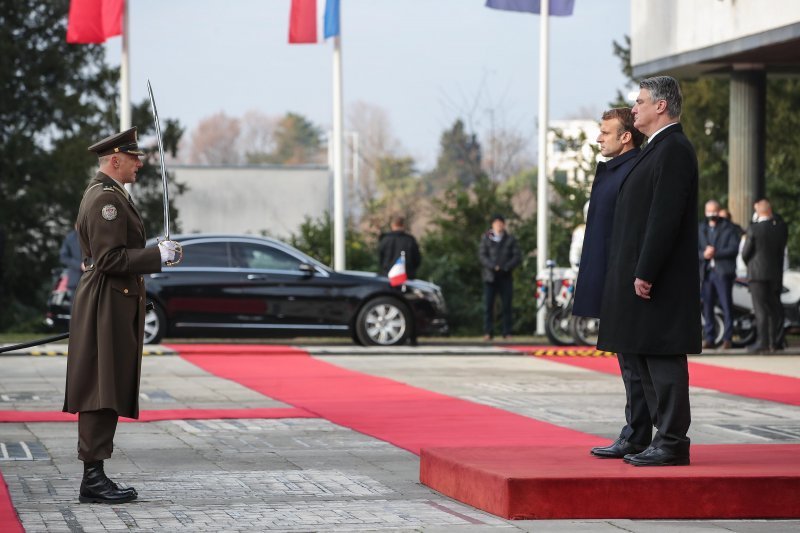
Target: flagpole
<point>338,159</point>
<point>542,229</point>
<point>124,80</point>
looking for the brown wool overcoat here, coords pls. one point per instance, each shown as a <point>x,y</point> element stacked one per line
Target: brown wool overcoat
<point>107,325</point>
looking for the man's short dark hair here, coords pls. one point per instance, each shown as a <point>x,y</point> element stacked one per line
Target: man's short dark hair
<point>398,221</point>
<point>665,88</point>
<point>498,216</point>
<point>625,117</point>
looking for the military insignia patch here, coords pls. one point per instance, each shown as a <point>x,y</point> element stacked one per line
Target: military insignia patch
<point>109,212</point>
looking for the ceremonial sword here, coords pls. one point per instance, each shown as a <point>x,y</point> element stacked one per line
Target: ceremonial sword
<point>178,248</point>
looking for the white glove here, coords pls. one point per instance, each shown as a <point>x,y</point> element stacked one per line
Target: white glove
<point>167,249</point>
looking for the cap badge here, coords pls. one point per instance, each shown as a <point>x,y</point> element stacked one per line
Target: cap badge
<point>109,212</point>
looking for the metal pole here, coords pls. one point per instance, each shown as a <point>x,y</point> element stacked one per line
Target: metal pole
<point>338,160</point>
<point>125,81</point>
<point>542,205</point>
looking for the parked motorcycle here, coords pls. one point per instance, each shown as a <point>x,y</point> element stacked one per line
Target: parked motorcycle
<point>555,287</point>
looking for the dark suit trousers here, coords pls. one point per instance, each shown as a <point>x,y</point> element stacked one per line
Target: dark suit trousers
<point>769,312</point>
<point>503,286</point>
<point>718,288</point>
<point>665,383</point>
<point>96,431</point>
<point>638,417</point>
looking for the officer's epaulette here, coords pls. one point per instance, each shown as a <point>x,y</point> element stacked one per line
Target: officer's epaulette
<point>109,188</point>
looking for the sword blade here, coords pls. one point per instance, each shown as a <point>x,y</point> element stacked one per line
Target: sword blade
<point>161,155</point>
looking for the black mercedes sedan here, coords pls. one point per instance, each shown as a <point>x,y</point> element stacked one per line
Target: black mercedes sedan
<point>242,285</point>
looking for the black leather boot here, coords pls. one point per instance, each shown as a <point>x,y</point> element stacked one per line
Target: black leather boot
<point>97,488</point>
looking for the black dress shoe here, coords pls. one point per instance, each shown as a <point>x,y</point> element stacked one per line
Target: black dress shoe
<point>617,450</point>
<point>657,457</point>
<point>97,488</point>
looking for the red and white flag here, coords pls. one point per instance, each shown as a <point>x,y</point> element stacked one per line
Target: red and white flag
<point>94,21</point>
<point>397,274</point>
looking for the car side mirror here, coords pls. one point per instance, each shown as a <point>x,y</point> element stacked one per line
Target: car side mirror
<point>307,269</point>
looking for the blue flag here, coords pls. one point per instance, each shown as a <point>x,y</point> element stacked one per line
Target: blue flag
<point>332,18</point>
<point>558,8</point>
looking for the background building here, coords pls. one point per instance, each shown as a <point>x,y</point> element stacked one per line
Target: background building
<point>744,40</point>
<point>273,200</point>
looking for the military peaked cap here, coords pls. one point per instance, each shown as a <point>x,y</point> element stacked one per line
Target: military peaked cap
<point>123,142</point>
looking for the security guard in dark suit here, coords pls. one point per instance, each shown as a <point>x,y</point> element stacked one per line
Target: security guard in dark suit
<point>107,325</point>
<point>763,253</point>
<point>718,246</point>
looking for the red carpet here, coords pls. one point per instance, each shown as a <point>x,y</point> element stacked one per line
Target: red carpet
<point>747,383</point>
<point>724,481</point>
<point>165,414</point>
<point>394,412</point>
<point>518,467</point>
<point>235,349</point>
<point>9,522</point>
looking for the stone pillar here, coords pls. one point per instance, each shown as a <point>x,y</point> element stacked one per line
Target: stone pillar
<point>746,141</point>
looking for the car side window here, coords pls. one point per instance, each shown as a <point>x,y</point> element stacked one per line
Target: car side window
<point>206,255</point>
<point>258,257</point>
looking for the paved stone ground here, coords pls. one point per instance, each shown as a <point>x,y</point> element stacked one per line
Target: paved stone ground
<point>311,475</point>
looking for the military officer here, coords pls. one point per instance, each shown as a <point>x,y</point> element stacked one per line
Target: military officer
<point>107,326</point>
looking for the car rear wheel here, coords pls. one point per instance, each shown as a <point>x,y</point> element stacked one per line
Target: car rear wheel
<point>155,325</point>
<point>383,321</point>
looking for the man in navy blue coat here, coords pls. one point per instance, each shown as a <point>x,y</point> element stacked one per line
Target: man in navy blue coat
<point>718,246</point>
<point>620,141</point>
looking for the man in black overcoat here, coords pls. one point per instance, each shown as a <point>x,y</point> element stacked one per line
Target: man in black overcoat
<point>392,244</point>
<point>619,141</point>
<point>763,252</point>
<point>650,311</point>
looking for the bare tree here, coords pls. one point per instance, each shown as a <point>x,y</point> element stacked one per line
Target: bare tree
<point>215,140</point>
<point>375,142</point>
<point>257,139</point>
<point>506,154</point>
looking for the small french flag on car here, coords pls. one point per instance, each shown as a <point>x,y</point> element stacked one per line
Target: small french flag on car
<point>397,274</point>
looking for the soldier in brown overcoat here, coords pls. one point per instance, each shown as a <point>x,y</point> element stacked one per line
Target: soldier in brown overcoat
<point>107,325</point>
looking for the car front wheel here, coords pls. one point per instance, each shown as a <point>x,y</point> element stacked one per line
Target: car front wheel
<point>383,321</point>
<point>155,325</point>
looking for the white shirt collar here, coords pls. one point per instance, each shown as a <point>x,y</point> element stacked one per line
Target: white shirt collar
<point>121,186</point>
<point>653,136</point>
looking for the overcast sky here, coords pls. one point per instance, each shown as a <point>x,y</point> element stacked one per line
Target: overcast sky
<point>426,62</point>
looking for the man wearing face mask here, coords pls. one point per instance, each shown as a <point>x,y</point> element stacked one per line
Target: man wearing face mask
<point>718,246</point>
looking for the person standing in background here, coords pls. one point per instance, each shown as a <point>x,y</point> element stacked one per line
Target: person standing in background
<point>718,246</point>
<point>763,253</point>
<point>392,244</point>
<point>71,260</point>
<point>499,255</point>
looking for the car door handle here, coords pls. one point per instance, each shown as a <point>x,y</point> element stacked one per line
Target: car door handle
<point>254,277</point>
<point>159,275</point>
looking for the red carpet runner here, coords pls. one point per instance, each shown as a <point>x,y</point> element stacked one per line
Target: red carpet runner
<point>9,523</point>
<point>747,383</point>
<point>406,416</point>
<point>514,466</point>
<point>165,414</point>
